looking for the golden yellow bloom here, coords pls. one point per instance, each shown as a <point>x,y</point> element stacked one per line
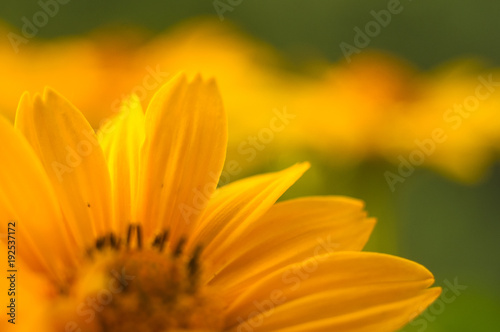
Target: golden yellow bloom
<point>459,103</point>
<point>375,107</point>
<point>103,64</point>
<point>126,231</point>
<point>350,107</point>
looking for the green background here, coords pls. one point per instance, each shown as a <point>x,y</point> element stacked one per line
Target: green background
<point>451,228</point>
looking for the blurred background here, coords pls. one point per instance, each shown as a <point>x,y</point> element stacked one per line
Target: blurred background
<point>393,102</point>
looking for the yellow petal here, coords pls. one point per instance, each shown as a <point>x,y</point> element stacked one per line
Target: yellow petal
<point>121,141</point>
<point>70,153</point>
<point>290,232</point>
<point>31,300</point>
<point>347,290</point>
<point>29,202</point>
<point>182,156</point>
<point>382,318</point>
<point>236,206</point>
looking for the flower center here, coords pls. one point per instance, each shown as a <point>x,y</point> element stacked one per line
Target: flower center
<point>141,289</point>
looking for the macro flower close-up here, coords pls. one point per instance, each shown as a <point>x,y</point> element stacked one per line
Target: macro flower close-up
<point>126,230</point>
<point>246,166</point>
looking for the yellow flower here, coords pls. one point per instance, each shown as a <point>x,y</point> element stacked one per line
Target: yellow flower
<point>376,107</point>
<point>452,124</point>
<point>379,107</point>
<point>126,231</point>
<point>105,72</point>
<point>354,105</point>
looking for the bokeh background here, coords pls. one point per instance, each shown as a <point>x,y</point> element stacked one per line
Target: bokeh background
<point>447,223</point>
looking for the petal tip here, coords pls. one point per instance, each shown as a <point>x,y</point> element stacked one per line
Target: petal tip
<point>305,165</point>
<point>49,93</point>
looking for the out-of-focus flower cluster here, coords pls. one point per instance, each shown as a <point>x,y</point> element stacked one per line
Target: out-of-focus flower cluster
<point>376,107</point>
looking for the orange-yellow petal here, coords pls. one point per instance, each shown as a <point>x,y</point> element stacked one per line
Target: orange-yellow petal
<point>28,200</point>
<point>121,142</point>
<point>236,206</point>
<point>73,159</point>
<point>343,291</point>
<point>382,318</point>
<point>182,156</point>
<point>290,232</point>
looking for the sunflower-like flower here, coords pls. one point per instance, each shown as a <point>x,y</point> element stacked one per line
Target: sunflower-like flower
<point>126,230</point>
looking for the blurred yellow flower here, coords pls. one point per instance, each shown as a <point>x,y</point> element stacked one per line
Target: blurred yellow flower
<point>376,107</point>
<point>351,106</point>
<point>125,230</point>
<point>453,125</point>
<point>90,62</point>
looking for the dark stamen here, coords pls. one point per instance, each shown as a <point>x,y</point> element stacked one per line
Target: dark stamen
<point>164,239</point>
<point>112,241</point>
<point>179,247</point>
<point>193,264</point>
<point>160,240</point>
<point>138,230</point>
<point>156,241</point>
<point>100,242</point>
<point>129,234</point>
